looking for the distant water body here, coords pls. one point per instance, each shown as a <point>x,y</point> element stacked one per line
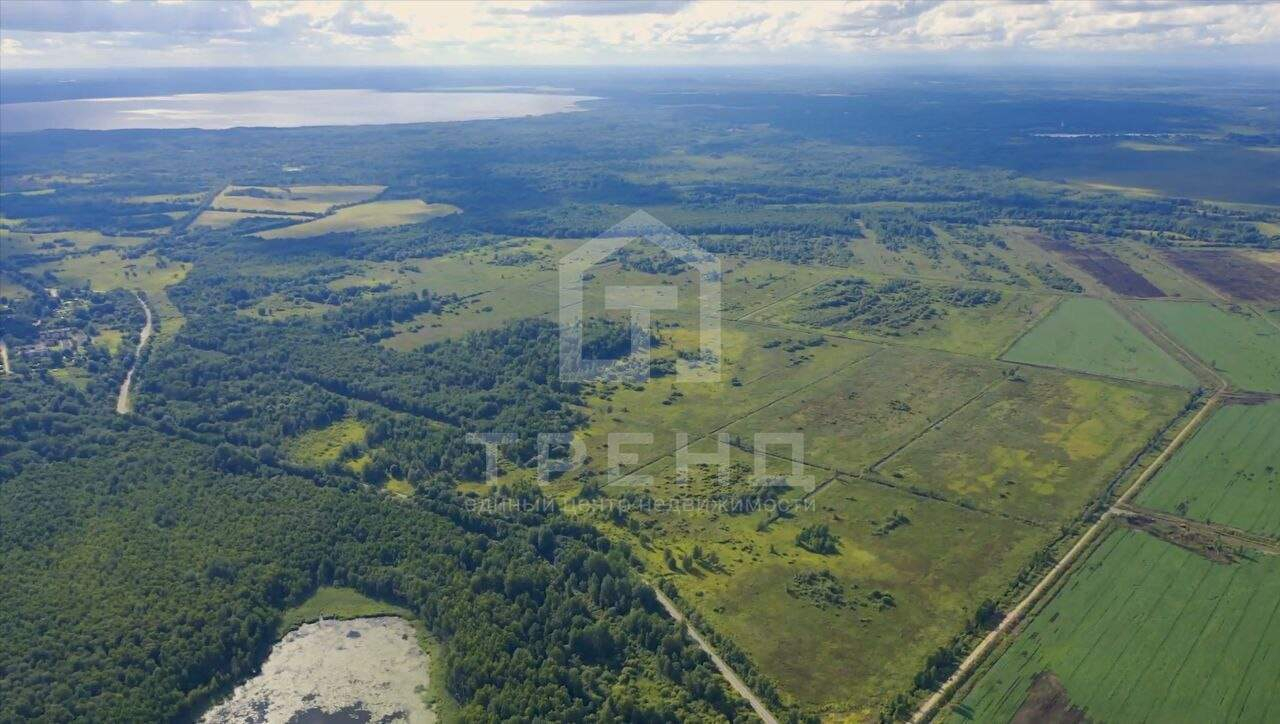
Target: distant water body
<point>279,109</point>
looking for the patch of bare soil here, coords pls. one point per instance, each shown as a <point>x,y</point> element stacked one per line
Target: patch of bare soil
<point>1230,272</point>
<point>1111,271</point>
<point>1048,703</point>
<point>1186,537</point>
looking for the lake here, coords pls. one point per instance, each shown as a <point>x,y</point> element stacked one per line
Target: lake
<point>281,109</point>
<point>362,670</point>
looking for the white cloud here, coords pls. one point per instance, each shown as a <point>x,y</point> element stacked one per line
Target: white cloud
<point>593,32</point>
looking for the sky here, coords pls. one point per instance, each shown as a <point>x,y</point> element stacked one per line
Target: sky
<point>147,33</point>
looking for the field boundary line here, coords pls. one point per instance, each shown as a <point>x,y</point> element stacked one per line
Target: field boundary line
<point>778,301</point>
<point>936,424</point>
<point>1238,536</point>
<point>726,671</point>
<point>754,410</point>
<point>931,705</point>
<point>1032,325</point>
<point>1147,327</point>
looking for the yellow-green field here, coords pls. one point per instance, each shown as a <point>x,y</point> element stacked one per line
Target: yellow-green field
<point>864,411</point>
<point>935,568</point>
<point>77,377</point>
<point>1039,448</point>
<point>324,445</point>
<point>361,217</point>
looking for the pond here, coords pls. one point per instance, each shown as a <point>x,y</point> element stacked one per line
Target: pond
<point>331,672</point>
<point>344,107</point>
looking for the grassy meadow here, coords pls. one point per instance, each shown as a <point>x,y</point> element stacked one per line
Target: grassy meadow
<point>899,591</point>
<point>1039,447</point>
<point>1089,336</point>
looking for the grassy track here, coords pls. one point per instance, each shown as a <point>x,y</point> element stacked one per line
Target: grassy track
<point>1146,631</point>
<point>1229,473</point>
<point>1241,345</point>
<point>1088,335</point>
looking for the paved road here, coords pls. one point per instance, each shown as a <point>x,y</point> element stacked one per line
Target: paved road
<point>732,677</point>
<point>124,405</point>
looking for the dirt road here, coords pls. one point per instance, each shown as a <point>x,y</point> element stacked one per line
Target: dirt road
<point>734,680</point>
<point>4,359</point>
<point>124,405</point>
<point>1014,617</point>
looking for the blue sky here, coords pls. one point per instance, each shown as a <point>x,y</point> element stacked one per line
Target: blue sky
<point>54,33</point>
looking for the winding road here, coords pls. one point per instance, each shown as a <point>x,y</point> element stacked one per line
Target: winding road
<point>124,405</point>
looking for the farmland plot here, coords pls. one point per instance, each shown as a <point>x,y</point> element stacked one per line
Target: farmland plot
<point>1089,336</point>
<point>1229,473</point>
<point>1147,631</point>
<point>1243,347</point>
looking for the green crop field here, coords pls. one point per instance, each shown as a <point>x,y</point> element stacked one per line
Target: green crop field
<point>1242,346</point>
<point>1088,335</point>
<point>1039,448</point>
<point>1229,473</point>
<point>1147,631</point>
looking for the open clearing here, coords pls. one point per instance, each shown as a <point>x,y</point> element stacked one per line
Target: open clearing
<point>1242,346</point>
<point>1147,631</point>
<point>366,669</point>
<point>323,446</point>
<point>1232,273</point>
<point>1229,473</point>
<point>1088,335</point>
<point>362,217</point>
<point>1040,448</point>
<point>906,575</point>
